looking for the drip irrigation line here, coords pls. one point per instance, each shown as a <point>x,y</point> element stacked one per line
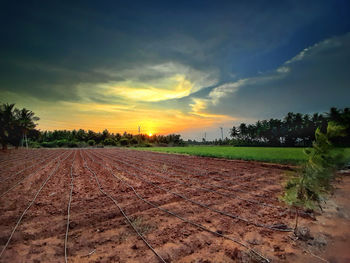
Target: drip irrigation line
<point>215,186</point>
<point>21,171</point>
<point>20,163</point>
<point>3,180</point>
<point>31,203</point>
<point>26,177</point>
<point>264,259</point>
<point>68,209</point>
<point>165,158</point>
<point>200,172</point>
<point>17,155</point>
<point>206,206</point>
<point>206,175</point>
<point>200,188</point>
<point>21,156</point>
<point>230,195</point>
<point>123,213</point>
<point>16,159</point>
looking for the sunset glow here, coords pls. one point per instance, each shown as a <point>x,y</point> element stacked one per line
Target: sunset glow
<point>118,66</point>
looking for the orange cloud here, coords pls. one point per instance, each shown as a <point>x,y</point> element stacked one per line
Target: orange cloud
<point>119,119</point>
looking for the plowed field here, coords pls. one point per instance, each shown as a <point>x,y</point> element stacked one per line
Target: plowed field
<point>117,205</point>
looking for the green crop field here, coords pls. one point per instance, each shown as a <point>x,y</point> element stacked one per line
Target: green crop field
<point>266,154</point>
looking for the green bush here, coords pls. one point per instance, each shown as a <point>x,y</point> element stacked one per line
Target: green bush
<point>62,143</point>
<point>72,144</point>
<point>82,144</point>
<point>133,141</point>
<point>49,144</point>
<point>124,142</point>
<point>91,142</point>
<point>34,144</point>
<point>313,182</point>
<point>109,141</point>
<point>145,145</point>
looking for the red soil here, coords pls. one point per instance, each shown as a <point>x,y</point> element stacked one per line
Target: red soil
<point>236,199</point>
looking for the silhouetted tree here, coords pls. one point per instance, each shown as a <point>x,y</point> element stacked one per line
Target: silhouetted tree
<point>7,123</point>
<point>295,129</point>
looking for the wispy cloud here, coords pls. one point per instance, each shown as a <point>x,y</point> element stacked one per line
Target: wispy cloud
<point>315,79</point>
<point>181,64</point>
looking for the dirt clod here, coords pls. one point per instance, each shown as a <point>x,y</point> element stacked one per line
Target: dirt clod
<point>303,233</point>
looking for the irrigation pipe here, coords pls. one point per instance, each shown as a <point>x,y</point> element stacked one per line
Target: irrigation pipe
<point>264,259</point>
<point>21,171</point>
<point>11,158</point>
<point>16,159</point>
<point>30,204</point>
<point>200,188</point>
<point>205,175</point>
<point>208,207</point>
<point>68,209</point>
<point>26,177</point>
<point>200,172</point>
<point>210,185</point>
<point>165,158</point>
<point>123,213</point>
<point>22,162</point>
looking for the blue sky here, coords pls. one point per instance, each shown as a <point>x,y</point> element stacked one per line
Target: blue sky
<point>173,66</point>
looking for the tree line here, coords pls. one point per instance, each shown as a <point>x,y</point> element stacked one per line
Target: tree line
<point>17,128</point>
<point>82,138</point>
<point>295,129</point>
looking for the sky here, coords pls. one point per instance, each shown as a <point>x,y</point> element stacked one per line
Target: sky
<point>186,67</point>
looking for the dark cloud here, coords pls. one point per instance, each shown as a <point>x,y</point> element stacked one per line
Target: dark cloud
<point>72,51</point>
<point>313,81</point>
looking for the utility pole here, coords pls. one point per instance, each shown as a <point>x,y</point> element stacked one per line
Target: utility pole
<point>139,136</point>
<point>222,133</point>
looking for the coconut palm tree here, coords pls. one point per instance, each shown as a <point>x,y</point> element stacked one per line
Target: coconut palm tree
<point>26,121</point>
<point>234,132</point>
<point>7,122</point>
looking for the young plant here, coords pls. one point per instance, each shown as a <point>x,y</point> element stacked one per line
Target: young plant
<point>313,181</point>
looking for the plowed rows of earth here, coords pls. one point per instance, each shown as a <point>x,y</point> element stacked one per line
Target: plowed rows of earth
<point>132,206</point>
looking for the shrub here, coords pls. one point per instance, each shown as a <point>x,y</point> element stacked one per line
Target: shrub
<point>34,144</point>
<point>162,145</point>
<point>313,182</point>
<point>82,144</point>
<point>109,141</point>
<point>73,144</point>
<point>62,143</point>
<point>133,141</point>
<point>49,144</point>
<point>143,144</point>
<point>124,141</point>
<point>91,142</point>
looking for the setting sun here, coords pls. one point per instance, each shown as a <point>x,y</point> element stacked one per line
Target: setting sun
<point>208,130</point>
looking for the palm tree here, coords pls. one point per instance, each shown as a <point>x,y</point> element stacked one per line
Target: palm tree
<point>26,121</point>
<point>234,132</point>
<point>334,114</point>
<point>243,132</point>
<point>7,122</point>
